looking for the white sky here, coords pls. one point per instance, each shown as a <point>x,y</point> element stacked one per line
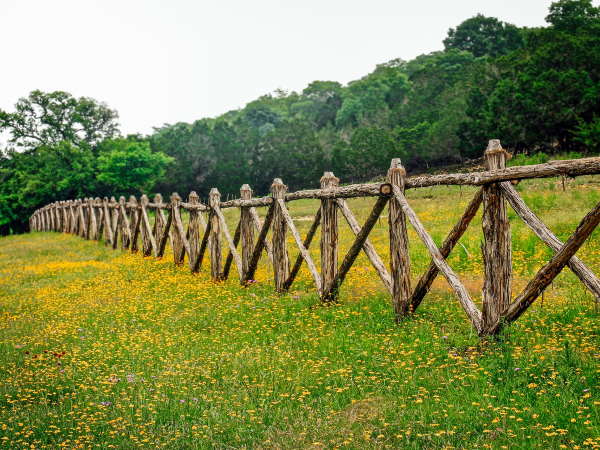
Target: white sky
<point>159,62</point>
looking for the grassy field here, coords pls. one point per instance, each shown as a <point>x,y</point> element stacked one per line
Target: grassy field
<point>100,348</point>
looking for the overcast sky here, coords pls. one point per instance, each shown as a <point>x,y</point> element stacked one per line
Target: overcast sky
<point>159,62</point>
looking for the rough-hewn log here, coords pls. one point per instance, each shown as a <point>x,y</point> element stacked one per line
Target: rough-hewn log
<point>399,257</point>
<point>108,228</point>
<point>229,259</point>
<point>260,244</point>
<point>216,263</point>
<point>165,228</point>
<point>193,230</point>
<point>303,251</point>
<point>230,242</point>
<point>451,240</point>
<point>463,296</point>
<point>367,246</point>
<point>202,250</point>
<point>496,248</point>
<point>547,273</point>
<point>330,292</point>
<point>586,276</point>
<point>246,228</point>
<point>258,226</point>
<point>306,244</point>
<point>126,234</point>
<point>179,247</point>
<point>329,231</point>
<point>148,240</point>
<point>281,264</point>
<point>247,202</point>
<point>136,218</point>
<point>572,168</point>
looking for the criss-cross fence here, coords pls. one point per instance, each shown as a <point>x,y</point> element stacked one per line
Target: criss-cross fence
<point>129,222</point>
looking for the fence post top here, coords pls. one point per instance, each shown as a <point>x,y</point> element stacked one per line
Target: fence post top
<point>193,197</point>
<point>122,200</point>
<point>329,180</point>
<point>144,199</point>
<point>246,192</point>
<point>278,189</point>
<point>132,199</point>
<point>396,168</point>
<point>175,198</point>
<point>158,198</point>
<point>214,197</point>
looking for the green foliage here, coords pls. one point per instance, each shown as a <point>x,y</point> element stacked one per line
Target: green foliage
<point>50,118</point>
<point>538,90</point>
<point>129,166</point>
<point>484,36</point>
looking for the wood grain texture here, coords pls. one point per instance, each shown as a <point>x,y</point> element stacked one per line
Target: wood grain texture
<point>329,231</point>
<point>587,277</point>
<point>496,249</point>
<point>398,235</point>
<point>368,248</point>
<point>463,296</point>
<point>451,240</point>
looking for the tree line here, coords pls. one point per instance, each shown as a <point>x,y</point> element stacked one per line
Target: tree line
<point>536,88</point>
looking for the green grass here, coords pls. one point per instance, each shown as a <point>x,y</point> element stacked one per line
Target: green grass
<point>100,348</point>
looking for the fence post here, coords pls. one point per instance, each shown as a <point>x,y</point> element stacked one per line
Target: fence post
<point>246,229</point>
<point>281,264</point>
<point>194,227</point>
<point>216,261</point>
<point>399,256</point>
<point>178,251</point>
<point>329,233</point>
<point>497,258</point>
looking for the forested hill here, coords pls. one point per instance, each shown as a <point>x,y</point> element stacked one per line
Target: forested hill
<point>537,89</point>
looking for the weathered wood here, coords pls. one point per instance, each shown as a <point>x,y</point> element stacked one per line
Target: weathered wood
<point>260,245</point>
<point>230,242</point>
<point>247,202</point>
<point>165,228</point>
<point>546,274</point>
<point>330,292</point>
<point>193,230</point>
<point>496,249</point>
<point>202,250</point>
<point>368,248</point>
<point>159,221</point>
<point>229,259</point>
<point>258,226</point>
<point>571,168</point>
<point>216,262</point>
<point>82,221</point>
<point>306,244</point>
<point>586,276</point>
<point>108,228</point>
<point>303,251</point>
<point>463,296</point>
<point>281,264</point>
<point>126,225</point>
<point>117,227</point>
<point>136,217</point>
<point>148,241</point>
<point>451,240</point>
<point>399,257</point>
<point>132,207</point>
<point>246,228</point>
<point>329,231</point>
<point>178,242</point>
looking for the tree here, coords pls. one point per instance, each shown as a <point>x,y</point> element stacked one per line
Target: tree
<point>571,15</point>
<point>128,166</point>
<point>482,36</point>
<point>50,118</point>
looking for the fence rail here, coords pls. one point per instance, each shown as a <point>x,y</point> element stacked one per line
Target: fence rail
<point>128,223</point>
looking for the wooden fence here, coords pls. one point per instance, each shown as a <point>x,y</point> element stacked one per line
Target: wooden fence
<point>128,223</point>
